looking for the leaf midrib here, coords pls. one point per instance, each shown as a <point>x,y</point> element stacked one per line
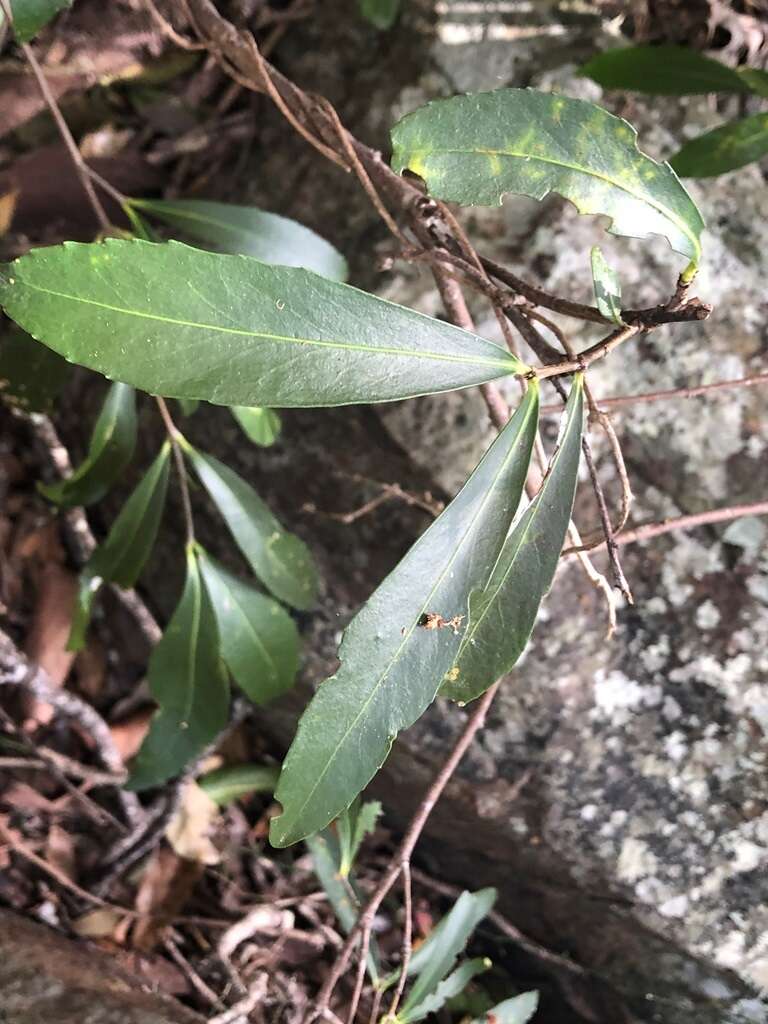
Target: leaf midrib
<point>665,211</point>
<point>351,346</point>
<point>406,637</point>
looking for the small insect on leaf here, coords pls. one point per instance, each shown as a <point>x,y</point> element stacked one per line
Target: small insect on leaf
<point>431,620</point>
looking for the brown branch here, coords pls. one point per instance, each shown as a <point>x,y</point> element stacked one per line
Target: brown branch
<point>181,469</point>
<point>621,401</point>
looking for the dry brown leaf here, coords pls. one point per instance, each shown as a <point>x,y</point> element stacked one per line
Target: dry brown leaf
<point>97,924</point>
<point>128,735</point>
<point>46,643</point>
<point>7,209</point>
<point>189,830</point>
<point>60,851</point>
<point>166,885</point>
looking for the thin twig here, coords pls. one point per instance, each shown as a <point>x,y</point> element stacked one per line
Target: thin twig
<point>689,522</point>
<point>181,468</point>
<point>63,128</point>
<point>407,946</point>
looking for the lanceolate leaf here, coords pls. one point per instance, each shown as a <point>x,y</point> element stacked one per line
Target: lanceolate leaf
<point>607,287</point>
<point>502,614</point>
<point>397,649</point>
<point>517,1010</point>
<point>353,825</point>
<point>111,449</point>
<point>249,231</point>
<point>437,955</point>
<point>31,375</point>
<point>724,149</point>
<point>224,785</point>
<point>380,13</point>
<point>662,71</point>
<point>472,149</point>
<point>261,425</point>
<point>281,560</point>
<point>188,680</point>
<point>29,16</point>
<point>185,323</point>
<point>127,547</point>
<point>259,640</point>
<point>447,989</point>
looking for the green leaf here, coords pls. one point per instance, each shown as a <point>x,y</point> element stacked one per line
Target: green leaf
<point>188,681</point>
<point>31,375</point>
<point>186,323</point>
<point>111,449</point>
<point>341,892</point>
<point>391,663</point>
<point>225,785</point>
<point>607,287</point>
<point>473,149</point>
<point>503,612</point>
<point>723,149</point>
<point>281,560</point>
<point>127,547</point>
<point>756,79</point>
<point>353,825</point>
<point>447,989</point>
<point>189,406</point>
<point>382,14</point>
<point>259,640</point>
<point>662,71</point>
<point>517,1010</point>
<point>261,425</point>
<point>248,231</point>
<point>29,16</point>
<point>437,955</point>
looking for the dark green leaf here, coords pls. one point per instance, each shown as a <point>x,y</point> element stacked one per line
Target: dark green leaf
<point>185,323</point>
<point>31,375</point>
<point>111,449</point>
<point>188,681</point>
<point>392,664</point>
<point>353,825</point>
<point>437,955</point>
<point>756,79</point>
<point>281,560</point>
<point>502,614</point>
<point>29,16</point>
<point>662,71</point>
<point>517,1010</point>
<point>449,988</point>
<point>127,547</point>
<point>259,640</point>
<point>382,14</point>
<point>607,287</point>
<point>723,149</point>
<point>261,425</point>
<point>341,892</point>
<point>189,406</point>
<point>248,231</point>
<point>473,149</point>
<point>140,227</point>
<point>226,785</point>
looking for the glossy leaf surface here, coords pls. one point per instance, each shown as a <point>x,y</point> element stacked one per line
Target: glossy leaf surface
<point>259,640</point>
<point>607,287</point>
<point>128,544</point>
<point>473,149</point>
<point>503,612</point>
<point>400,644</point>
<point>188,680</point>
<point>281,560</point>
<point>111,449</point>
<point>249,231</point>
<point>29,16</point>
<point>436,956</point>
<point>181,322</point>
<point>662,71</point>
<point>518,1010</point>
<point>260,425</point>
<point>723,149</point>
